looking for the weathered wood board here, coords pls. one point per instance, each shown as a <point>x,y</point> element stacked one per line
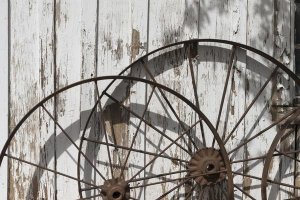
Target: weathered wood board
<point>4,31</point>
<point>54,43</point>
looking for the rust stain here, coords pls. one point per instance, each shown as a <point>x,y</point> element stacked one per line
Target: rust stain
<point>45,193</point>
<point>116,121</point>
<point>276,98</point>
<point>232,109</point>
<point>119,51</point>
<point>247,184</point>
<point>11,189</point>
<point>16,183</point>
<point>135,44</point>
<point>246,180</point>
<point>35,187</point>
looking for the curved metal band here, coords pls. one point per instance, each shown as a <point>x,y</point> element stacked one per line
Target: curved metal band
<point>243,46</point>
<point>205,119</point>
<point>113,78</point>
<point>271,152</point>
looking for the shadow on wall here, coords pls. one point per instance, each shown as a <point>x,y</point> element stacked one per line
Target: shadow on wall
<point>121,92</point>
<point>267,26</point>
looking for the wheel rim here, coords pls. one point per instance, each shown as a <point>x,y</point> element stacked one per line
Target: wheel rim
<point>117,194</point>
<point>119,179</point>
<point>273,153</point>
<point>280,67</point>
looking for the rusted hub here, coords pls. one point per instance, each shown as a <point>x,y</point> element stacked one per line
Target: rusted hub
<point>205,166</point>
<point>115,189</point>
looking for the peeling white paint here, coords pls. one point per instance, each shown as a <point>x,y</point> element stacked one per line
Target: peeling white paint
<point>3,91</point>
<point>91,43</point>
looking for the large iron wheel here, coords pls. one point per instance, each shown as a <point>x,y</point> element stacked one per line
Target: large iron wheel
<point>233,144</point>
<point>108,183</point>
<point>268,90</point>
<point>287,153</point>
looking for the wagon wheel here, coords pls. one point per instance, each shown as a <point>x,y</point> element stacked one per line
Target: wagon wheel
<point>127,164</point>
<point>178,151</point>
<point>205,137</point>
<point>287,154</point>
<point>255,124</point>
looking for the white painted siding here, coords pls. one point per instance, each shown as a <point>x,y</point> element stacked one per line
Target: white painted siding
<point>4,30</point>
<point>58,42</point>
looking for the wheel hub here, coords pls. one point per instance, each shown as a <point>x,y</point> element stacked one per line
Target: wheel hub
<point>115,189</point>
<point>207,166</point>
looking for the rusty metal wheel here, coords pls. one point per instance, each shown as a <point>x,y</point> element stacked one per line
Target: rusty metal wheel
<point>245,93</point>
<point>285,153</point>
<point>157,154</point>
<point>169,150</point>
<point>194,119</point>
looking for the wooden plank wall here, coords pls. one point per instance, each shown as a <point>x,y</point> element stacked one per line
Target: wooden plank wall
<point>57,42</point>
<point>3,91</point>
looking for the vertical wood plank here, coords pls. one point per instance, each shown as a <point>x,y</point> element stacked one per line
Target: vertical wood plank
<point>237,13</point>
<point>223,20</point>
<point>169,22</point>
<point>31,79</point>
<point>69,60</point>
<point>4,67</point>
<point>25,93</point>
<point>260,35</point>
<point>293,39</point>
<point>282,51</point>
<point>89,35</point>
<point>139,42</point>
<point>121,40</point>
<point>46,180</point>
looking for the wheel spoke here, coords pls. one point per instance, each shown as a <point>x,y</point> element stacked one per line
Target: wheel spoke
<point>153,159</point>
<point>196,93</point>
<point>147,122</point>
<point>104,130</point>
<point>285,154</point>
<point>248,159</point>
<point>70,139</point>
<point>169,104</point>
<point>157,176</point>
<point>268,180</point>
<point>160,182</point>
<point>137,150</point>
<point>264,156</point>
<point>50,170</point>
<point>230,66</point>
<point>251,104</point>
<point>245,193</point>
<point>137,130</point>
<point>174,188</point>
<point>262,131</point>
<point>91,188</point>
